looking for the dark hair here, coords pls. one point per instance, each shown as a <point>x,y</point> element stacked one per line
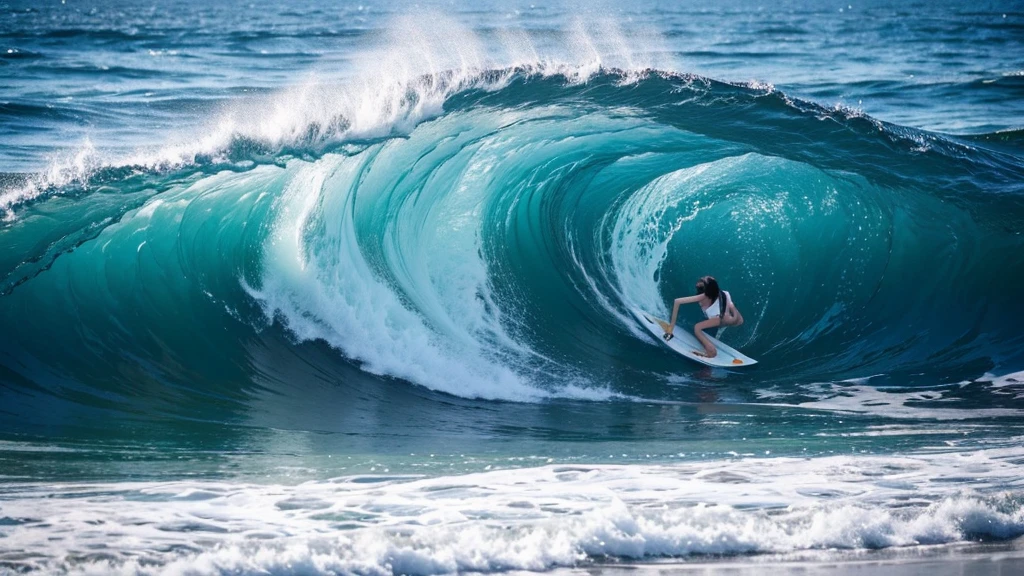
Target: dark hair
<point>708,286</point>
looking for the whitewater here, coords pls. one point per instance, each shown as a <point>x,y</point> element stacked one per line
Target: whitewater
<point>347,291</point>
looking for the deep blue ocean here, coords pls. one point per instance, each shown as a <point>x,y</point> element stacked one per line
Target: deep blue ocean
<point>345,288</point>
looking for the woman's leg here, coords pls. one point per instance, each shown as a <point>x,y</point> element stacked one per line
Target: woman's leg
<point>698,331</point>
<point>732,316</point>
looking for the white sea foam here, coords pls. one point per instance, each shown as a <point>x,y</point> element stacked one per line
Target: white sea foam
<point>1013,379</point>
<point>399,80</point>
<point>918,404</point>
<point>326,289</point>
<point>516,519</point>
<point>1012,383</point>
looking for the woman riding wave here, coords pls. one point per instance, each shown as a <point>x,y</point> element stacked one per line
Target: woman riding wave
<point>717,306</point>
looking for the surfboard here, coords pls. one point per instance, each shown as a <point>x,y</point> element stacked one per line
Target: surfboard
<point>685,343</point>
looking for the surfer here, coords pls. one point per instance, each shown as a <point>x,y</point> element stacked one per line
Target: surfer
<point>717,306</point>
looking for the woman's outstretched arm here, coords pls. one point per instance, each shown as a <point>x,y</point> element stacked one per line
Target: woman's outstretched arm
<point>675,309</point>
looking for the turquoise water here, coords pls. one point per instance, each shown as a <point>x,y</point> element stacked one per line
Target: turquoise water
<point>347,289</point>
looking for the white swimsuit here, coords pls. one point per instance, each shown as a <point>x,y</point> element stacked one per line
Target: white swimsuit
<point>713,310</point>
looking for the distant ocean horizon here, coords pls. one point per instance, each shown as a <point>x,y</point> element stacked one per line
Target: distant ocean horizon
<point>347,289</point>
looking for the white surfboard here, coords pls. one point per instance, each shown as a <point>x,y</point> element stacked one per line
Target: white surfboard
<point>685,343</point>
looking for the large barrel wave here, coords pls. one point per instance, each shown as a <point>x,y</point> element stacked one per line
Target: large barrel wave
<point>492,248</point>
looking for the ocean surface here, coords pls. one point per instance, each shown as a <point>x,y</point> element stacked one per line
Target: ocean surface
<point>345,288</point>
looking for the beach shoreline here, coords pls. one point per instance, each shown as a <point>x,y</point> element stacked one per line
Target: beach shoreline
<point>1002,558</point>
